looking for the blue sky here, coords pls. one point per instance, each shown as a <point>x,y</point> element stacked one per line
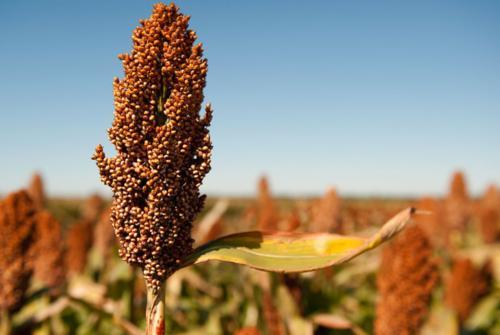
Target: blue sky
<point>373,97</point>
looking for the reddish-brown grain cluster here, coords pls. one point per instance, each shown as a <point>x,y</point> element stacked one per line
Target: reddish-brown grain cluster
<point>163,144</point>
<point>78,244</point>
<point>326,214</point>
<point>266,210</point>
<point>405,281</point>
<point>292,221</point>
<point>433,223</point>
<point>36,191</point>
<point>92,208</point>
<point>17,226</point>
<point>465,285</point>
<point>489,215</point>
<point>104,238</point>
<point>49,252</point>
<point>457,204</point>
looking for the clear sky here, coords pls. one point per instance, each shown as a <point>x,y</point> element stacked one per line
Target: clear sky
<point>373,97</point>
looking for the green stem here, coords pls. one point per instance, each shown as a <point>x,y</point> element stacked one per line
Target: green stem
<point>5,325</point>
<point>155,311</point>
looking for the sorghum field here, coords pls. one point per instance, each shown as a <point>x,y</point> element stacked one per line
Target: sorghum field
<point>157,256</point>
<point>439,276</point>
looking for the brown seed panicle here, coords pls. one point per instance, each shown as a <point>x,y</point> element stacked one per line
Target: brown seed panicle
<point>163,144</point>
<point>458,186</point>
<point>17,227</point>
<point>434,224</point>
<point>457,203</point>
<point>104,237</point>
<point>49,251</point>
<point>465,285</point>
<point>36,191</point>
<point>407,276</point>
<point>78,243</point>
<point>489,215</point>
<point>267,216</point>
<point>326,214</point>
<point>92,208</point>
<point>489,224</point>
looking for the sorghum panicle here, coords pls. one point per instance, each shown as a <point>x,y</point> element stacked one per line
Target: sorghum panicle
<point>489,215</point>
<point>92,208</point>
<point>434,224</point>
<point>465,285</point>
<point>163,144</point>
<point>17,224</point>
<point>104,237</point>
<point>457,203</point>
<point>49,251</point>
<point>407,276</point>
<point>326,214</point>
<point>36,191</point>
<point>78,243</point>
<point>267,216</point>
<point>292,221</point>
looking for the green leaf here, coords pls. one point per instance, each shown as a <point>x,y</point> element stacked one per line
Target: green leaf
<point>294,252</point>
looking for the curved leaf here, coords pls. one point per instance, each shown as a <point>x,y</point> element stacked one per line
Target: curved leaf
<point>294,252</point>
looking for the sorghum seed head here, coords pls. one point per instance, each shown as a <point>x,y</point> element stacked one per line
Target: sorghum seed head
<point>326,214</point>
<point>457,203</point>
<point>17,230</point>
<point>78,243</point>
<point>407,276</point>
<point>104,238</point>
<point>489,215</point>
<point>458,186</point>
<point>434,224</point>
<point>163,144</point>
<point>49,251</point>
<point>465,285</point>
<point>266,208</point>
<point>36,191</point>
<point>92,207</point>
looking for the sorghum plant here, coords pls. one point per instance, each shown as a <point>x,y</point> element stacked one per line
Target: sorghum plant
<point>17,226</point>
<point>457,204</point>
<point>49,265</point>
<point>78,243</point>
<point>489,215</point>
<point>466,285</point>
<point>267,216</point>
<point>407,276</point>
<point>434,225</point>
<point>104,238</point>
<point>163,146</point>
<point>92,208</point>
<point>164,152</point>
<point>326,213</point>
<point>36,191</point>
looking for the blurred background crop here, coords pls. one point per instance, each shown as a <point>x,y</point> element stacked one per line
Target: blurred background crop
<point>329,116</point>
<point>380,98</point>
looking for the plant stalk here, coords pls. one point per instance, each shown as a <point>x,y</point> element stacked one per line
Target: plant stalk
<point>5,322</point>
<point>155,311</point>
